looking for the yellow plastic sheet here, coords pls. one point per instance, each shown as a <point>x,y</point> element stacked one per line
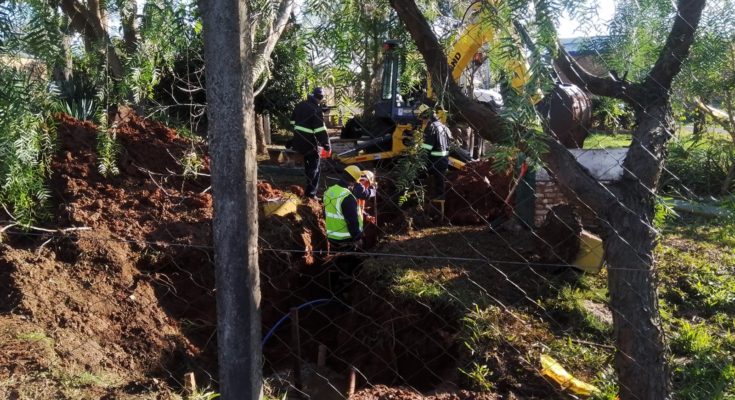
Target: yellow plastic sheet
<point>554,371</point>
<point>286,205</point>
<point>591,253</point>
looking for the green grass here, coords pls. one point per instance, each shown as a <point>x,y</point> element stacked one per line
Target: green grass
<point>607,141</point>
<point>696,265</point>
<point>414,283</point>
<point>696,273</point>
<point>35,336</point>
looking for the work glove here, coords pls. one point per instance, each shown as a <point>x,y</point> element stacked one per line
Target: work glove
<point>325,152</point>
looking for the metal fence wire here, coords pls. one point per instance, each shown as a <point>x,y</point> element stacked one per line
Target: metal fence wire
<point>497,290</point>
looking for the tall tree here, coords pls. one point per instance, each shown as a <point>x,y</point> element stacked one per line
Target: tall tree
<point>268,21</point>
<point>228,51</point>
<point>625,207</point>
<point>90,21</point>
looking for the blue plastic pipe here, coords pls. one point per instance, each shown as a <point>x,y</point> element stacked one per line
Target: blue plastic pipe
<point>285,317</point>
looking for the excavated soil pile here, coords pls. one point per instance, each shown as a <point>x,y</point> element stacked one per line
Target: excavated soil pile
<point>477,194</point>
<point>130,298</point>
<point>287,246</point>
<point>149,200</point>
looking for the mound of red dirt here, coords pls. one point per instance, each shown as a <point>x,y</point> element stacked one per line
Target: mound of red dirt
<point>149,200</point>
<point>477,194</point>
<point>381,392</point>
<point>131,297</point>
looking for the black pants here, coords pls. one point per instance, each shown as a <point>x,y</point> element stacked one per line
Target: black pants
<point>311,169</point>
<point>437,167</point>
<point>343,267</point>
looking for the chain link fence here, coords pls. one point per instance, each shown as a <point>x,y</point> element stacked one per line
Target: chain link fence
<point>497,290</point>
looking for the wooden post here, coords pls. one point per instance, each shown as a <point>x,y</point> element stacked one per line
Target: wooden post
<point>190,383</point>
<point>321,358</point>
<point>296,349</point>
<point>352,382</point>
<point>267,127</point>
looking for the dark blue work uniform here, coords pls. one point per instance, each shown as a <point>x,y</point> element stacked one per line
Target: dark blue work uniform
<point>436,142</point>
<point>310,132</point>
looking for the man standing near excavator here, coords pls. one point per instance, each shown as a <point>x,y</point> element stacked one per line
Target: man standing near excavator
<point>436,142</point>
<point>310,137</point>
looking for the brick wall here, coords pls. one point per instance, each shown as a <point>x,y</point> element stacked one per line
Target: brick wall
<point>603,164</point>
<point>549,195</point>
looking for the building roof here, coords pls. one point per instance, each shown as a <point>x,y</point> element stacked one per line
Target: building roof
<point>578,46</point>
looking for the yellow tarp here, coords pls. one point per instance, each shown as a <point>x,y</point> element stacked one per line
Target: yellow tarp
<point>553,370</point>
<point>284,206</point>
<point>591,253</point>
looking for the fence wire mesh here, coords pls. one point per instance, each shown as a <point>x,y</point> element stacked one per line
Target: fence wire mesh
<point>479,294</point>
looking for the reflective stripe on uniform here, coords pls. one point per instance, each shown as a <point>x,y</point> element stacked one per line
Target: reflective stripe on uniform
<point>307,130</point>
<point>334,215</point>
<point>439,153</point>
<point>426,146</point>
<point>338,235</point>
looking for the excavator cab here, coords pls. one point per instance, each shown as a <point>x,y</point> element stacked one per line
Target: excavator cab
<point>391,105</point>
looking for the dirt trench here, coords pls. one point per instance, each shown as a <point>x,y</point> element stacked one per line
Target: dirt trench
<point>132,298</point>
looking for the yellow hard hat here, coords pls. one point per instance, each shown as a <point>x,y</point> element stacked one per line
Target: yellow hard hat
<point>368,175</point>
<point>354,172</point>
<point>424,111</point>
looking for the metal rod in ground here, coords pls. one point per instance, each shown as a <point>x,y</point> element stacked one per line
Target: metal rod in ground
<point>321,358</point>
<point>190,383</point>
<point>352,382</point>
<point>296,349</point>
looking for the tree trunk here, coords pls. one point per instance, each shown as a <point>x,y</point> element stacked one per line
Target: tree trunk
<point>227,53</point>
<point>64,71</point>
<point>640,358</point>
<point>267,127</point>
<point>128,12</point>
<point>262,144</point>
<point>700,124</point>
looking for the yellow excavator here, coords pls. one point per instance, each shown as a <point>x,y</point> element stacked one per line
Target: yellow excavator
<point>390,132</point>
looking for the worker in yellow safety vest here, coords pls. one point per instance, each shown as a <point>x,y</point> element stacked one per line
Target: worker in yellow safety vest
<point>342,215</point>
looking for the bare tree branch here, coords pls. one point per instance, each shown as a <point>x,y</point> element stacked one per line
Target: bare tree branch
<point>619,89</point>
<point>275,29</point>
<point>677,46</point>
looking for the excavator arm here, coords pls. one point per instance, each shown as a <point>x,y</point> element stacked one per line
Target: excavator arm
<point>478,33</point>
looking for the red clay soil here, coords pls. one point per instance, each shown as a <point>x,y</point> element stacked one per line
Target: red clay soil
<point>148,200</point>
<point>476,194</point>
<point>381,392</point>
<point>132,298</point>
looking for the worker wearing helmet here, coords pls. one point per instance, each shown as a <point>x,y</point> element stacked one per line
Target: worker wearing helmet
<point>436,143</point>
<point>310,137</point>
<point>342,216</point>
<point>364,190</point>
